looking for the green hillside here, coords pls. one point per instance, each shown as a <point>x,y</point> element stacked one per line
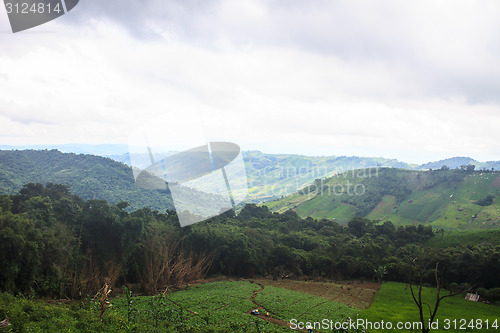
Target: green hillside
<point>271,176</point>
<point>452,238</point>
<point>456,162</point>
<point>90,177</point>
<point>450,199</point>
<point>371,187</point>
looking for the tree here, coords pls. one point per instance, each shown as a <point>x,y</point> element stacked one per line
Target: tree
<point>5,203</point>
<point>486,201</point>
<point>417,295</point>
<point>358,226</point>
<point>469,168</point>
<point>166,264</point>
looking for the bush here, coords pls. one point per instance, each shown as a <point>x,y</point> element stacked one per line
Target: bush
<point>491,295</point>
<point>486,201</point>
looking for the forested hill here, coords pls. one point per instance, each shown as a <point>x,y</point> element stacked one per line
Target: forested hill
<point>55,244</point>
<point>403,196</point>
<point>270,176</point>
<point>456,162</point>
<point>90,177</point>
<point>446,198</point>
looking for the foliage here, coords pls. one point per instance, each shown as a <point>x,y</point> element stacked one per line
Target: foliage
<point>486,201</point>
<point>55,244</point>
<point>288,304</point>
<point>393,303</point>
<point>210,307</point>
<point>490,295</point>
<point>88,176</point>
<point>447,198</point>
<point>28,315</point>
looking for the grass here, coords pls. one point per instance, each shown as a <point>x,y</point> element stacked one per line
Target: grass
<point>325,207</point>
<point>383,209</point>
<point>27,315</point>
<point>211,307</point>
<point>224,307</point>
<point>394,304</point>
<point>217,307</point>
<point>425,206</point>
<point>288,304</point>
<point>452,238</point>
<point>448,205</point>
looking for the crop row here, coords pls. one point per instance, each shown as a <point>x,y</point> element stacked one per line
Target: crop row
<point>288,304</point>
<point>223,306</point>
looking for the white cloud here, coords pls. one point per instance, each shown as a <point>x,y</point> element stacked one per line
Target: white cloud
<point>321,78</point>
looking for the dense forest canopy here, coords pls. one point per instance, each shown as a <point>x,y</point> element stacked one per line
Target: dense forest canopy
<point>88,176</point>
<point>53,243</point>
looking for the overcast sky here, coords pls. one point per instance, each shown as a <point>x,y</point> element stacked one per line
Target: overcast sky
<point>413,80</point>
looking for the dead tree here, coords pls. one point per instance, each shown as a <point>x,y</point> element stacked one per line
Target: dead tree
<point>4,323</point>
<point>166,264</point>
<point>103,299</point>
<point>417,296</point>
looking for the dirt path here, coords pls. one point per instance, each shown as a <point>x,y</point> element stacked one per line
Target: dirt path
<point>497,181</point>
<point>354,294</point>
<point>263,315</point>
<point>303,313</point>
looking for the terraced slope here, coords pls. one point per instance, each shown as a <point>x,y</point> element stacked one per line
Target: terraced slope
<point>452,199</point>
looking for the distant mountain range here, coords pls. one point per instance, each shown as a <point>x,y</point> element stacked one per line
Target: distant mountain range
<point>270,176</point>
<point>456,162</point>
<point>77,148</point>
<point>119,152</point>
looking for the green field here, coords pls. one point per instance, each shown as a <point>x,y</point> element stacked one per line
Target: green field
<point>324,209</point>
<point>210,307</point>
<point>452,238</point>
<point>394,304</point>
<point>383,209</point>
<point>225,307</point>
<point>287,305</point>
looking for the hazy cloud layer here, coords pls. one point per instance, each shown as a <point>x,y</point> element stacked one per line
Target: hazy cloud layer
<point>414,79</point>
<point>445,48</point>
